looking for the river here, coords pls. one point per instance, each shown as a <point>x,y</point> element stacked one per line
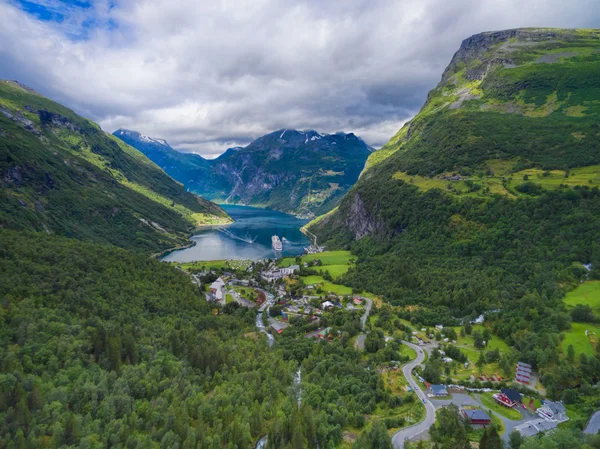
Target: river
<point>248,238</point>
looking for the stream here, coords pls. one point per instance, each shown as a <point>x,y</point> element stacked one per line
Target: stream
<point>261,327</point>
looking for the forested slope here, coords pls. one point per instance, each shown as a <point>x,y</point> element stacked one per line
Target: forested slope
<point>117,350</point>
<point>61,173</point>
<point>101,347</point>
<point>488,199</point>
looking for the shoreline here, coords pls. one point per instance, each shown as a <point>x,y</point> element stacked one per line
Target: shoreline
<point>308,234</point>
<point>167,251</point>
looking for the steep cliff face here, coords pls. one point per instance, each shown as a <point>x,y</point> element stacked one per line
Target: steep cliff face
<point>299,172</point>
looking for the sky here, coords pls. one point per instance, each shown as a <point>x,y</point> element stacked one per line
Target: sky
<point>209,75</point>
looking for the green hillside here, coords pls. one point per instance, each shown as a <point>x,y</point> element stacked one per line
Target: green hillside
<point>488,199</point>
<point>60,173</point>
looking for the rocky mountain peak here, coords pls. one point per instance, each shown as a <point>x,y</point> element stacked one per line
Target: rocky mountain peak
<point>480,51</point>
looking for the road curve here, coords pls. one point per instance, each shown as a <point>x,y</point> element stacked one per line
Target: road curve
<point>416,429</point>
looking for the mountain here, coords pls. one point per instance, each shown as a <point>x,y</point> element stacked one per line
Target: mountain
<point>60,173</point>
<point>488,199</point>
<point>300,172</point>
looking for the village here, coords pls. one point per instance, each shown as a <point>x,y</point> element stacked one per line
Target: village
<point>299,294</point>
<point>283,295</point>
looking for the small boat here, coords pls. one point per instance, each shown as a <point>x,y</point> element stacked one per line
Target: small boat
<point>284,240</point>
<point>277,245</point>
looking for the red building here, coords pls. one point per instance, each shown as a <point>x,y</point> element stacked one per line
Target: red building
<point>476,416</point>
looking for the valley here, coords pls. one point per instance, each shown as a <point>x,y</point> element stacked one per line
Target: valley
<point>453,300</point>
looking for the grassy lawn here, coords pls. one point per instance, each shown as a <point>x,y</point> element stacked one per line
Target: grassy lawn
<point>407,351</point>
<point>467,346</point>
<point>327,258</point>
<point>586,293</point>
<point>228,298</point>
<point>581,343</point>
<point>334,270</point>
<point>487,400</point>
<point>327,286</point>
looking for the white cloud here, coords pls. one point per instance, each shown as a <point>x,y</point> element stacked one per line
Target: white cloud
<point>207,75</point>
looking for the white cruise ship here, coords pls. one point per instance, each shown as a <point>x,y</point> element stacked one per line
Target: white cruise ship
<point>277,245</point>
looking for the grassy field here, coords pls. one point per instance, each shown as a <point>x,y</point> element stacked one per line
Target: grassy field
<point>334,270</point>
<point>502,171</point>
<point>327,286</point>
<point>327,258</point>
<point>467,346</point>
<point>487,400</point>
<point>586,293</point>
<point>581,343</point>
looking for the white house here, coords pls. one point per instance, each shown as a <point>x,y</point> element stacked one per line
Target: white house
<point>217,289</point>
<point>553,411</point>
<point>286,271</point>
<point>327,305</point>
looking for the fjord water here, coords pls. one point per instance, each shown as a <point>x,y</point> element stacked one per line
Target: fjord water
<point>248,238</point>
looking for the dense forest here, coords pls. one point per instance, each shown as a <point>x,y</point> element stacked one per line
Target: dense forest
<point>118,350</point>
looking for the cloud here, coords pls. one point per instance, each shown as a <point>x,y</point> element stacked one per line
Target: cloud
<point>208,75</point>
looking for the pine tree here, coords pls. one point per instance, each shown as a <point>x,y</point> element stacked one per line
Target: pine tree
<point>493,439</point>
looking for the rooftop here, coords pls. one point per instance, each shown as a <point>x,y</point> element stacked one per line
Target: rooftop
<point>476,415</point>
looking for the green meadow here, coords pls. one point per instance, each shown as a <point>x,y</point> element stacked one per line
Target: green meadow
<point>586,293</point>
<point>582,343</point>
<point>327,258</point>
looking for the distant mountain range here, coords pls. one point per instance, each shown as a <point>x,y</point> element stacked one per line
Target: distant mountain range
<point>60,173</point>
<point>299,172</point>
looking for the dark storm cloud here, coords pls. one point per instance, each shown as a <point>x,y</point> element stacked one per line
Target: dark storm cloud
<point>208,75</point>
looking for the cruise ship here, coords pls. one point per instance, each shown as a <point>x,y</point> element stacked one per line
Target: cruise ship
<point>277,245</point>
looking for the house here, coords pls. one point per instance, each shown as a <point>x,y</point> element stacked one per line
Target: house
<point>327,305</point>
<point>447,360</point>
<point>438,390</point>
<point>553,411</point>
<point>534,427</point>
<point>324,333</point>
<point>507,397</point>
<point>289,270</point>
<point>523,373</point>
<point>476,416</point>
<point>216,289</point>
<point>357,301</point>
<point>278,326</point>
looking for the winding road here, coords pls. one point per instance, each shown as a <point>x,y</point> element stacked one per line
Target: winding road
<point>593,426</point>
<point>417,429</point>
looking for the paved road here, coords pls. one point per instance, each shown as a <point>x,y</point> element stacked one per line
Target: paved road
<point>416,429</point>
<point>593,426</point>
